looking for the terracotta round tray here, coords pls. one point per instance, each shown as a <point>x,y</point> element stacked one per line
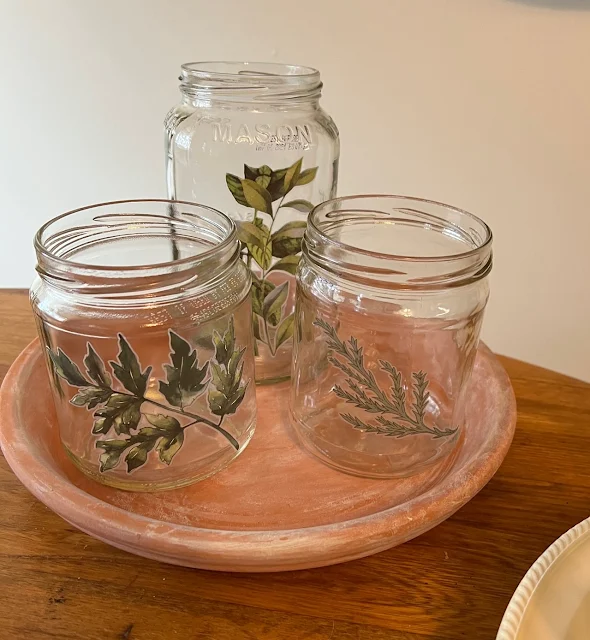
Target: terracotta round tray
<point>276,507</point>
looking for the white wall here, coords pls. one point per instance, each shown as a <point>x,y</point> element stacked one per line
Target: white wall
<point>484,104</point>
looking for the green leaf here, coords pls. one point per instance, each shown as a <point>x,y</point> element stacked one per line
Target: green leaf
<point>166,431</point>
<point>219,377</point>
<point>95,368</point>
<point>229,339</point>
<point>286,247</point>
<point>263,258</point>
<point>234,361</point>
<point>260,289</point>
<point>226,391</point>
<point>109,460</point>
<point>304,206</point>
<point>251,233</point>
<point>102,426</point>
<point>112,453</point>
<point>217,402</point>
<point>287,264</point>
<point>167,425</point>
<point>224,345</point>
<point>292,175</point>
<point>294,229</point>
<point>221,405</point>
<point>287,240</point>
<point>128,370</point>
<point>91,396</point>
<point>251,173</point>
<point>221,354</point>
<point>234,184</point>
<point>261,251</point>
<point>283,180</point>
<point>279,175</point>
<point>137,456</point>
<point>121,412</point>
<point>236,400</point>
<point>146,433</point>
<point>275,300</point>
<point>129,418</point>
<point>276,188</point>
<point>273,319</point>
<point>257,197</point>
<point>263,181</point>
<point>112,445</point>
<point>285,330</point>
<point>256,326</point>
<point>67,369</point>
<point>169,447</point>
<point>307,176</point>
<point>184,378</point>
<point>421,395</point>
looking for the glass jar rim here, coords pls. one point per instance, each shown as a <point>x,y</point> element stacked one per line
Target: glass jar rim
<point>201,241</point>
<point>266,72</point>
<point>42,250</point>
<point>328,205</point>
<point>265,83</point>
<point>359,216</point>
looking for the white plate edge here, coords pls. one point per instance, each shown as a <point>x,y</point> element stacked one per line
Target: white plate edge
<point>520,599</point>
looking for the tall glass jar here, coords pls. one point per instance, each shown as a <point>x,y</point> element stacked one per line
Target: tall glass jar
<point>252,140</point>
<point>143,310</point>
<point>390,300</point>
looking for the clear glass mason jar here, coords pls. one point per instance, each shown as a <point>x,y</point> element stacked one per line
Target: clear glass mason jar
<point>251,140</point>
<point>391,293</point>
<point>144,312</point>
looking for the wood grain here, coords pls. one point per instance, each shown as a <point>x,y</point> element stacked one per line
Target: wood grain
<point>452,583</point>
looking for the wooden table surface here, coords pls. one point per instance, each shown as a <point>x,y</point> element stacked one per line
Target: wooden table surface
<point>452,583</point>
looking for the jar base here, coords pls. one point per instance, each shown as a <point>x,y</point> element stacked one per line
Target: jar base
<point>272,369</point>
<point>269,381</point>
<point>150,486</point>
<point>369,465</point>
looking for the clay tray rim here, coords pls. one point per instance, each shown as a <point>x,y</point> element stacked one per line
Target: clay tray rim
<point>43,483</point>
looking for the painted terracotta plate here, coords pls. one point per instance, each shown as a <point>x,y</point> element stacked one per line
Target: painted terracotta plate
<point>276,507</point>
<point>553,600</point>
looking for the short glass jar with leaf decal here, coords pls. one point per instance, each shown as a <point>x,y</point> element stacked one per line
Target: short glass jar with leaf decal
<point>391,297</point>
<point>252,140</point>
<point>144,314</point>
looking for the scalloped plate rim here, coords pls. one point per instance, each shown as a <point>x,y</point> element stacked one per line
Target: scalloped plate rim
<point>522,596</point>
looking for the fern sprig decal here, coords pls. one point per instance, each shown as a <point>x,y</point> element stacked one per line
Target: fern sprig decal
<point>392,417</point>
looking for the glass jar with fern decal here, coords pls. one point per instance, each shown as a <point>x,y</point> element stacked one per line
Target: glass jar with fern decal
<point>144,313</point>
<point>390,299</point>
<point>251,140</point>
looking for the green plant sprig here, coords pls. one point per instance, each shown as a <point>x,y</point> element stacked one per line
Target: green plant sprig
<point>365,393</point>
<point>261,244</point>
<point>122,411</point>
